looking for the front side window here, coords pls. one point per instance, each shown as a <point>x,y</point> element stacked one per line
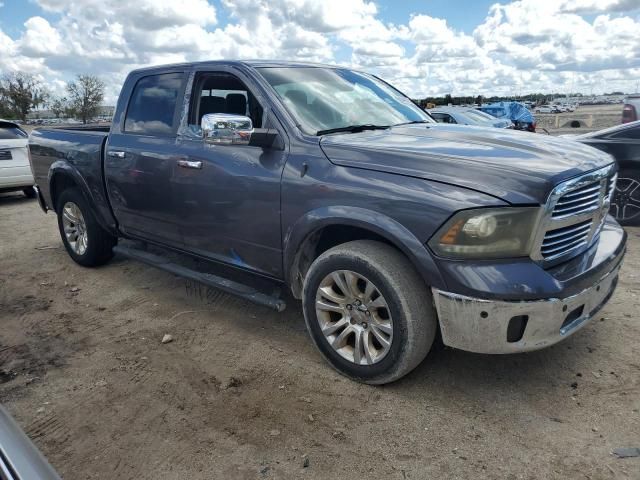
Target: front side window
<point>222,93</point>
<point>327,98</point>
<point>152,106</point>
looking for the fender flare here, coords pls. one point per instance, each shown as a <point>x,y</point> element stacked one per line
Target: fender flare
<point>386,227</point>
<point>64,168</point>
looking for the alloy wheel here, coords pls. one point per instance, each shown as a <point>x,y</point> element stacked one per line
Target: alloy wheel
<point>354,317</point>
<point>625,203</point>
<point>75,228</point>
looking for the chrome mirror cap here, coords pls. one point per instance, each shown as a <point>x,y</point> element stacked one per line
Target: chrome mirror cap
<point>226,129</point>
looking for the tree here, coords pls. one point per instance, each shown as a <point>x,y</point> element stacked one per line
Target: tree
<point>479,99</point>
<point>59,105</point>
<point>85,96</point>
<point>448,100</point>
<point>20,93</point>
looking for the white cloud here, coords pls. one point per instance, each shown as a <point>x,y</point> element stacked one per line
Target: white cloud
<point>522,46</point>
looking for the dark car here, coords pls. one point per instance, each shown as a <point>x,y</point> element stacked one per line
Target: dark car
<point>332,183</point>
<point>623,142</point>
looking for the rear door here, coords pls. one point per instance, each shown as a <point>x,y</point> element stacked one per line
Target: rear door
<point>142,155</point>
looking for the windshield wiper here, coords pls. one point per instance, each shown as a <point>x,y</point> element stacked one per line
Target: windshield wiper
<point>352,129</point>
<point>412,122</point>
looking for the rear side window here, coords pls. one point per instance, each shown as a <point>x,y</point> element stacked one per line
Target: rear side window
<point>9,131</point>
<point>628,134</point>
<point>152,106</point>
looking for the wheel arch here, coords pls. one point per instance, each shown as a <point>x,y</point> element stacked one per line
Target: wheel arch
<point>62,176</point>
<point>629,165</point>
<point>322,229</point>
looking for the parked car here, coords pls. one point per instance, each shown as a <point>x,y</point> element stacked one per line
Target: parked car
<point>623,142</point>
<point>387,225</point>
<point>19,458</point>
<point>544,109</point>
<point>468,116</point>
<point>15,171</point>
<point>515,112</point>
<point>631,108</point>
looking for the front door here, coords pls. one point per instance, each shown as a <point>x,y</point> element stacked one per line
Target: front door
<point>228,196</point>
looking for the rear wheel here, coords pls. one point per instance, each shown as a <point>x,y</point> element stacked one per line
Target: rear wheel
<point>368,311</point>
<point>29,192</point>
<point>84,239</point>
<point>625,203</point>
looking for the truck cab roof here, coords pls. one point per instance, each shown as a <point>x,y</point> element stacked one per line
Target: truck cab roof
<point>238,63</point>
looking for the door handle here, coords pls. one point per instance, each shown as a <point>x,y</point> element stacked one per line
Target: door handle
<point>197,164</point>
<point>116,154</point>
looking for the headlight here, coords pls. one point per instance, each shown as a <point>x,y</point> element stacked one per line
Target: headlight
<point>487,233</point>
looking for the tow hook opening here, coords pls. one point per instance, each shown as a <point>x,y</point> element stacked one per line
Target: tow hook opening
<point>575,314</point>
<point>517,326</point>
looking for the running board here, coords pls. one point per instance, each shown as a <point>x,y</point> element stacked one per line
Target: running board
<point>229,286</point>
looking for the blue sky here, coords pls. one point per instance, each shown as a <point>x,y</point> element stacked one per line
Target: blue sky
<point>464,16</point>
<point>429,47</point>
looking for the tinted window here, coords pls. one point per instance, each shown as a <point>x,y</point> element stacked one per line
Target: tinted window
<point>628,133</point>
<point>153,104</point>
<point>443,118</point>
<point>9,131</point>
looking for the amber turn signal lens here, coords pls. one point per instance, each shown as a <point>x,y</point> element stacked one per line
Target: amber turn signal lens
<point>449,238</point>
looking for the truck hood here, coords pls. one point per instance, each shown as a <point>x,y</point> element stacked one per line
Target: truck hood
<point>518,167</point>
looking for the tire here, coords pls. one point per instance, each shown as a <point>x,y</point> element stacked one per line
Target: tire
<point>625,203</point>
<point>29,192</point>
<point>98,243</point>
<point>408,322</point>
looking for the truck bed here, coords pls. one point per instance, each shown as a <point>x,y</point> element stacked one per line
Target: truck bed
<point>78,148</point>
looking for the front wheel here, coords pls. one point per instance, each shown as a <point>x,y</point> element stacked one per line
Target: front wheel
<point>368,311</point>
<point>86,242</point>
<point>625,203</point>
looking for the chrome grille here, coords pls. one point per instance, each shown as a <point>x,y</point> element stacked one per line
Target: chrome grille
<point>5,155</point>
<point>578,201</point>
<point>565,238</point>
<point>574,215</point>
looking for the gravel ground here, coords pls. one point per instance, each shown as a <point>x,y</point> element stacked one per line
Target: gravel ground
<point>241,393</point>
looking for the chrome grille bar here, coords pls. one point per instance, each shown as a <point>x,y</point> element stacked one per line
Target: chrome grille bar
<point>574,215</point>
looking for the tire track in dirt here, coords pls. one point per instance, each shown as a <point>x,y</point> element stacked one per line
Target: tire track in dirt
<point>50,428</point>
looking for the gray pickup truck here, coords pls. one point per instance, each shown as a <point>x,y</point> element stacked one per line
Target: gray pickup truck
<point>392,229</point>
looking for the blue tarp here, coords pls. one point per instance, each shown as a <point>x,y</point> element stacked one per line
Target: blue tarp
<point>515,111</point>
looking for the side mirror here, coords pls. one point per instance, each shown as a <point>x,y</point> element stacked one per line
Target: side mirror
<point>226,129</point>
<point>230,129</point>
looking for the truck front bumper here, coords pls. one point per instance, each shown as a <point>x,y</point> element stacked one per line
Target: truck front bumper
<point>494,325</point>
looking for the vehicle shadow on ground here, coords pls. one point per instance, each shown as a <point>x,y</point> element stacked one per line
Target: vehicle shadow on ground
<point>448,372</point>
<point>511,377</point>
<point>16,198</point>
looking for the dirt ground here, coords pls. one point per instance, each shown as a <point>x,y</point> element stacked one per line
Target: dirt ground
<point>242,393</point>
<point>591,118</point>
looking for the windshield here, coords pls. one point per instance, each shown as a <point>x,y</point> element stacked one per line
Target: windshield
<point>331,98</point>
